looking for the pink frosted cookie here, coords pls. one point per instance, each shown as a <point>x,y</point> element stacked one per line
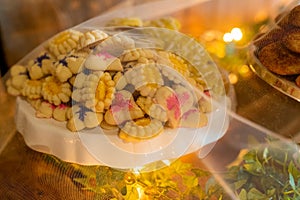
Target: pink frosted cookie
<point>168,99</point>
<point>123,109</point>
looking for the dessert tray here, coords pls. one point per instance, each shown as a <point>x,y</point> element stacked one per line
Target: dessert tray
<point>274,56</point>
<point>95,147</point>
<point>124,95</point>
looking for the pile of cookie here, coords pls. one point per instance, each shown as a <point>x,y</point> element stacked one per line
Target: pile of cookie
<point>279,49</point>
<point>78,80</point>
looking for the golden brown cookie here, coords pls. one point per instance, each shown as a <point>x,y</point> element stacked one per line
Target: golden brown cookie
<point>298,81</point>
<point>294,16</point>
<point>279,59</point>
<point>269,37</point>
<point>291,40</point>
<point>282,19</point>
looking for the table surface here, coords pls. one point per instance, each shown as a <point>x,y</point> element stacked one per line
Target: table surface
<point>27,173</point>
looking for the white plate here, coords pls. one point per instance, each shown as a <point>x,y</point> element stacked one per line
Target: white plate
<point>94,147</point>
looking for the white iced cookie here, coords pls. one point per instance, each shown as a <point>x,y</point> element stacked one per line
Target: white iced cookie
<point>15,83</point>
<point>56,92</point>
<point>90,37</point>
<point>64,42</point>
<point>103,61</point>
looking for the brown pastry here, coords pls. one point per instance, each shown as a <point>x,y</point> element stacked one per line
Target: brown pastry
<point>282,20</point>
<point>291,40</point>
<point>294,16</point>
<point>279,59</point>
<point>298,81</point>
<point>267,38</point>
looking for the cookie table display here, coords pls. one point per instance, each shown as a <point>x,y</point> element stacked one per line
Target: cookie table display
<point>129,89</point>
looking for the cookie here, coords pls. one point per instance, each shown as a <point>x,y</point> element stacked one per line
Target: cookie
<point>59,113</point>
<point>45,110</point>
<point>18,76</point>
<point>291,40</point>
<point>55,92</point>
<point>297,81</point>
<point>264,39</point>
<point>142,128</point>
<point>168,99</point>
<point>282,19</point>
<point>193,119</point>
<point>279,59</point>
<point>294,16</point>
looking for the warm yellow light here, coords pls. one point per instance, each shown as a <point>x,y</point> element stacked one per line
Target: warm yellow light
<point>233,79</point>
<point>140,191</point>
<point>244,69</point>
<point>236,34</point>
<point>227,37</point>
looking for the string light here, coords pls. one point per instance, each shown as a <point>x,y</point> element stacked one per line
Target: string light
<point>235,34</point>
<point>233,78</point>
<point>227,37</point>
